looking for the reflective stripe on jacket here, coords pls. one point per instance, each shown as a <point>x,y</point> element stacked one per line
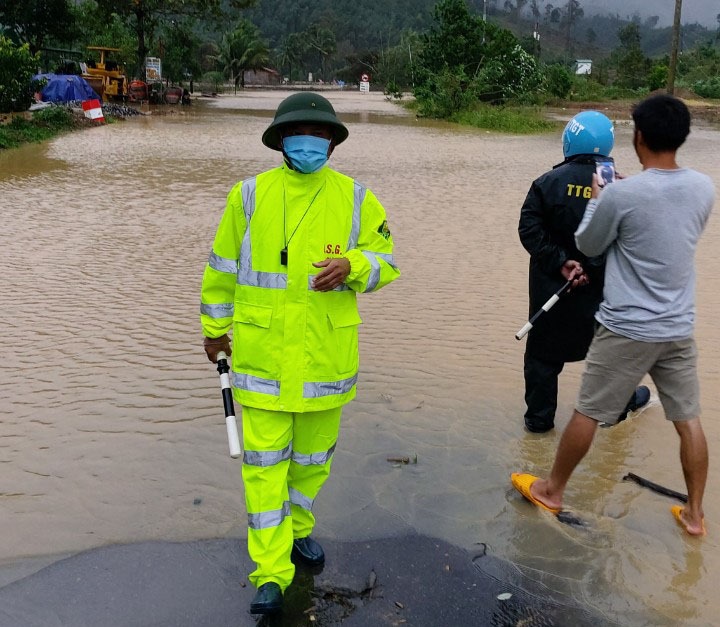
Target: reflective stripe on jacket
<point>294,349</point>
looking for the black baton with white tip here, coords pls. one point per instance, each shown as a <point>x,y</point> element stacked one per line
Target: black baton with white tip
<point>546,307</point>
<point>230,422</point>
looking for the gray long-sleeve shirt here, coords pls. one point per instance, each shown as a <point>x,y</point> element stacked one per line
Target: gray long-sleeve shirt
<point>649,224</point>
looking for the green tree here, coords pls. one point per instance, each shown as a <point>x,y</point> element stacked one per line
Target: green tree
<point>291,52</point>
<point>558,80</point>
<point>651,22</point>
<point>145,16</point>
<point>464,59</point>
<point>700,63</point>
<point>553,14</point>
<point>367,62</point>
<point>34,22</point>
<point>630,63</point>
<point>208,53</point>
<point>658,77</point>
<point>322,40</point>
<point>241,50</point>
<point>17,66</point>
<point>515,7</point>
<point>180,48</point>
<point>98,29</point>
<point>394,67</point>
<point>512,75</point>
<point>535,9</point>
<point>460,40</point>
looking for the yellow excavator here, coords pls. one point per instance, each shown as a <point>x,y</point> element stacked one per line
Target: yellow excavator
<point>106,77</point>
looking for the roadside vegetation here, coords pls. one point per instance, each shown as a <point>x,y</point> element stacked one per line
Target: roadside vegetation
<point>43,125</point>
<point>517,120</point>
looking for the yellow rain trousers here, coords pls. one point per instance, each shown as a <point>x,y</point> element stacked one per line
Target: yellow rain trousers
<point>295,350</point>
<point>298,449</point>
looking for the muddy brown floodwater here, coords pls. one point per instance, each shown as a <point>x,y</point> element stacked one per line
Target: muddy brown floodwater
<point>111,426</point>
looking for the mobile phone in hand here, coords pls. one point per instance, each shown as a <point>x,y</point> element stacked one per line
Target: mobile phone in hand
<point>605,170</point>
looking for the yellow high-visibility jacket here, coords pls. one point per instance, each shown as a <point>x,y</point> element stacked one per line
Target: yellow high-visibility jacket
<point>294,349</point>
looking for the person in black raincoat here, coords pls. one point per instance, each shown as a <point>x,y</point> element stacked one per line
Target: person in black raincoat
<point>549,217</point>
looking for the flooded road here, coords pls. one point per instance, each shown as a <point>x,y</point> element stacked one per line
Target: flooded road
<point>111,423</point>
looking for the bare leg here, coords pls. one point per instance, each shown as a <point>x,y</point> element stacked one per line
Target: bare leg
<point>694,460</point>
<point>574,444</point>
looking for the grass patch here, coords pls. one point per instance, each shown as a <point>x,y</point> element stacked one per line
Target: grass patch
<point>43,124</point>
<point>506,119</point>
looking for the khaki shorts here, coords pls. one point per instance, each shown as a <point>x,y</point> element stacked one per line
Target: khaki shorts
<point>615,365</point>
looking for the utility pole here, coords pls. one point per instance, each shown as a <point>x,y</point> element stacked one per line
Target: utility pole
<point>484,20</point>
<point>675,45</point>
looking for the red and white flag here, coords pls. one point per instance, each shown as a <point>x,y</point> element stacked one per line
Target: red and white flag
<point>93,110</point>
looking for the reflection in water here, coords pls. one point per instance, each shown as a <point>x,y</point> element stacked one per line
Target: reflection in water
<point>26,161</point>
<point>112,430</point>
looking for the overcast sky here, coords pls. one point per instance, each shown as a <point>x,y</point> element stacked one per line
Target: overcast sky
<point>702,11</point>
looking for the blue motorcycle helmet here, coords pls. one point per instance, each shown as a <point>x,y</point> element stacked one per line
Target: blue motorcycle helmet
<point>588,133</point>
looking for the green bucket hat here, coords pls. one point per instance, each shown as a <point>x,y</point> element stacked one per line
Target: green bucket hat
<point>304,107</point>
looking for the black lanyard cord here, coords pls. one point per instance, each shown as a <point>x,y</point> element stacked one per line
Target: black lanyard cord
<point>284,251</point>
<point>287,239</point>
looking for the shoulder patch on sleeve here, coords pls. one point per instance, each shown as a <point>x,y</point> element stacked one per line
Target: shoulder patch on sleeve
<point>384,229</point>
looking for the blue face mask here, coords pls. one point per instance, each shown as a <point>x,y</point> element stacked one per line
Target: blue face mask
<point>306,153</point>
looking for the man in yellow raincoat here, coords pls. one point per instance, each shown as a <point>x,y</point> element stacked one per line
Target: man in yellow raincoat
<point>293,248</point>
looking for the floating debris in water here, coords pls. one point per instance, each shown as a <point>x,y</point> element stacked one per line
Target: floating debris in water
<point>371,581</point>
<point>404,459</point>
<point>571,519</point>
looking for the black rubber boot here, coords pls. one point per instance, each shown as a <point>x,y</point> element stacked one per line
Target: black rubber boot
<point>639,399</point>
<point>536,426</point>
<point>268,599</point>
<point>308,551</point>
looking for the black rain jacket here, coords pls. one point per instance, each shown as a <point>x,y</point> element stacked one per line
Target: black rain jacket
<point>549,217</point>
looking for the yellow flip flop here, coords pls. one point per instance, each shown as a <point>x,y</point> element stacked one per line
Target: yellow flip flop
<point>522,482</point>
<point>676,511</point>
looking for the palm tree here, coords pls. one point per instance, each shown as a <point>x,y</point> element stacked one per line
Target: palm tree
<point>241,50</point>
<point>291,51</point>
<point>323,40</point>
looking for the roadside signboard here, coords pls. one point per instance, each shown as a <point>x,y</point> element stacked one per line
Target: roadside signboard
<point>583,66</point>
<point>364,83</point>
<point>153,69</point>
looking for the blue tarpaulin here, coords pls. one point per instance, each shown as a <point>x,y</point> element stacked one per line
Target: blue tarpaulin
<point>66,87</point>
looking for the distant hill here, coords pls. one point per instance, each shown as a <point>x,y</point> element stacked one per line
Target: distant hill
<point>364,25</point>
<point>596,35</point>
<point>703,12</point>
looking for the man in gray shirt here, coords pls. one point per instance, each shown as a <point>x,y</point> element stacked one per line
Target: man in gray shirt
<point>649,226</point>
